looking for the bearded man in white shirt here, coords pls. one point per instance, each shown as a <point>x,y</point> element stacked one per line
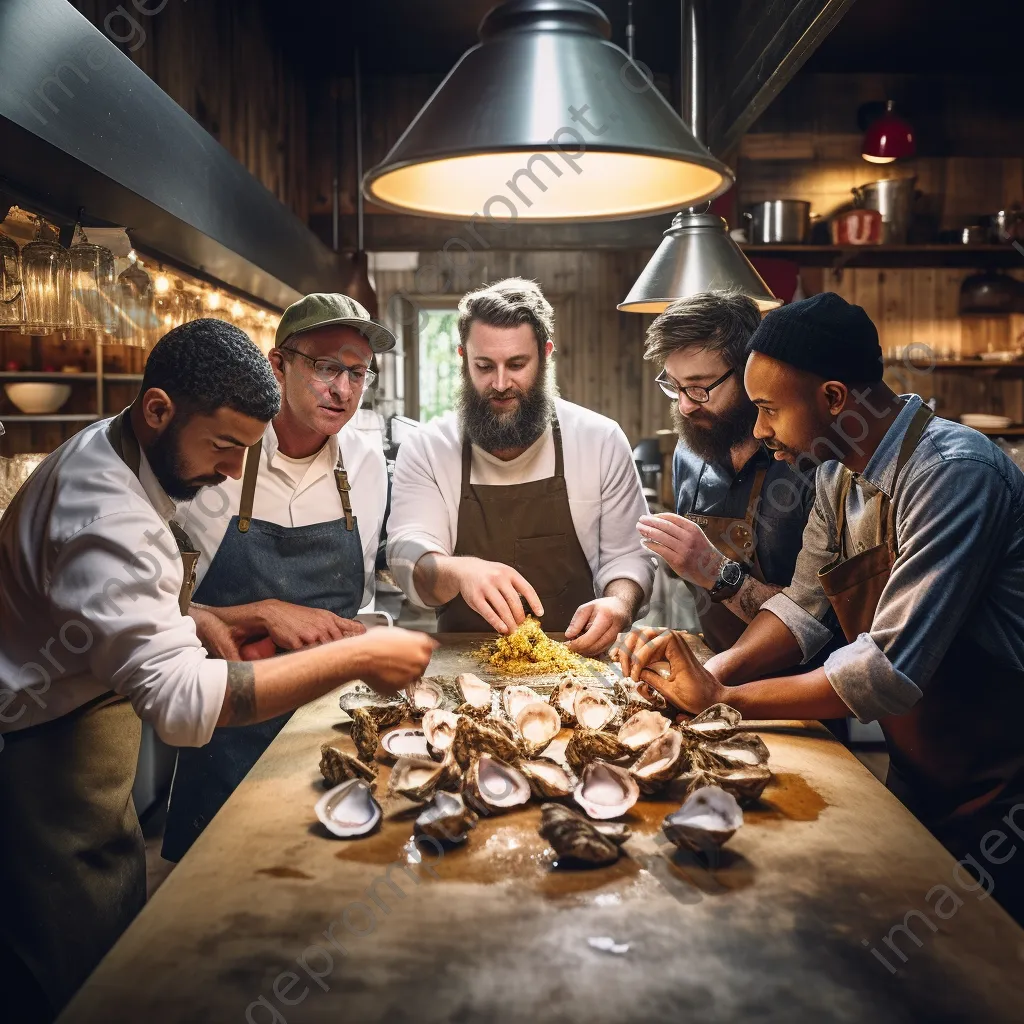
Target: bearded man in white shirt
<point>296,561</point>
<point>95,581</point>
<point>518,495</point>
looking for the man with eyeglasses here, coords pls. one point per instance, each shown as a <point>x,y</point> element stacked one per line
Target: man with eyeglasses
<point>286,555</point>
<point>740,516</point>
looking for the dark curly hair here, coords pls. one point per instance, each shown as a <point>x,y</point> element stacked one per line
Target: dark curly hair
<point>207,364</point>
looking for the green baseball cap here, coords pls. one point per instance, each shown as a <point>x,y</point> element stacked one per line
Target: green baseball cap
<point>325,309</point>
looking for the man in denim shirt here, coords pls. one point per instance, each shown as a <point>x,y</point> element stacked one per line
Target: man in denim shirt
<point>916,541</point>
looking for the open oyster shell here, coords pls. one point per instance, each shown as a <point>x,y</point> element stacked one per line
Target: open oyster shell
<point>492,786</point>
<point>476,695</point>
<point>364,732</point>
<point>402,743</point>
<point>664,759</point>
<point>632,700</point>
<point>473,738</point>
<point>594,710</point>
<point>617,831</point>
<point>415,778</point>
<point>515,697</point>
<point>708,819</point>
<point>538,724</point>
<point>349,810</point>
<point>548,779</point>
<point>642,729</point>
<point>424,695</point>
<point>439,731</point>
<point>605,790</point>
<point>740,751</point>
<point>717,722</point>
<point>337,766</point>
<point>587,745</point>
<point>746,784</point>
<point>563,698</point>
<point>446,818</point>
<point>574,839</point>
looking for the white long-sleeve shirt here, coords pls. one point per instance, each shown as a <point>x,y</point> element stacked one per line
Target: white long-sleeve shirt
<point>89,582</point>
<point>300,492</point>
<point>605,495</point>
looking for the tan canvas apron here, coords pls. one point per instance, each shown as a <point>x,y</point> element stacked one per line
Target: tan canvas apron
<point>528,526</point>
<point>72,855</point>
<point>737,540</point>
<point>956,758</point>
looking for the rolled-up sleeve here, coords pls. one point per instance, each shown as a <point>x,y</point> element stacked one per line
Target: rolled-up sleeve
<point>621,555</point>
<point>952,524</point>
<point>114,592</point>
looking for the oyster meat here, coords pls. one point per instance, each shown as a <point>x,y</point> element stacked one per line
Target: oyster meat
<point>605,790</point>
<point>708,819</point>
<point>415,778</point>
<point>446,818</point>
<point>538,724</point>
<point>547,778</point>
<point>574,839</point>
<point>423,695</point>
<point>588,745</point>
<point>439,731</point>
<point>594,710</point>
<point>475,693</point>
<point>661,762</point>
<point>364,733</point>
<point>563,698</point>
<point>403,743</point>
<point>717,722</point>
<point>337,766</point>
<point>642,729</point>
<point>349,809</point>
<point>514,698</point>
<point>740,751</point>
<point>473,737</point>
<point>492,786</point>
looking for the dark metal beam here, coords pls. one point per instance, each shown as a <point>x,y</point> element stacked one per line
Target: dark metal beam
<point>82,126</point>
<point>754,49</point>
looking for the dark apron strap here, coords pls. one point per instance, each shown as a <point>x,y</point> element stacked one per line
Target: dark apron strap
<point>911,439</point>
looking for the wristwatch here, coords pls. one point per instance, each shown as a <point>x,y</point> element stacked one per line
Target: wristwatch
<point>730,579</point>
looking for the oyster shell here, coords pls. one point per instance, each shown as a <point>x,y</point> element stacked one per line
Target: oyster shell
<point>547,778</point>
<point>538,724</point>
<point>574,839</point>
<point>593,710</point>
<point>605,790</point>
<point>588,745</point>
<point>473,737</point>
<point>502,725</point>
<point>349,809</point>
<point>439,731</point>
<point>415,778</point>
<point>632,700</point>
<point>563,698</point>
<point>708,819</point>
<point>364,733</point>
<point>357,695</point>
<point>661,762</point>
<point>446,819</point>
<point>492,786</point>
<point>337,766</point>
<point>451,777</point>
<point>717,722</point>
<point>740,751</point>
<point>642,729</point>
<point>746,784</point>
<point>423,695</point>
<point>617,831</point>
<point>475,692</point>
<point>403,743</point>
<point>514,698</point>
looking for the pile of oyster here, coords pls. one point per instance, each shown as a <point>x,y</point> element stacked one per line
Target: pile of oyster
<point>483,750</point>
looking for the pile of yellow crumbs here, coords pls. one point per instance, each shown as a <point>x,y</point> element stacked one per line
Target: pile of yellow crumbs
<point>528,650</point>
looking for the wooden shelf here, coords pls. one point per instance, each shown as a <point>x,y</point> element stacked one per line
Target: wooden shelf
<point>73,417</point>
<point>122,378</point>
<point>1015,430</point>
<point>64,378</point>
<point>967,256</point>
<point>992,368</point>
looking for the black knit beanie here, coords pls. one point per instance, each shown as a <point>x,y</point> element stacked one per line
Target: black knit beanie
<point>824,335</point>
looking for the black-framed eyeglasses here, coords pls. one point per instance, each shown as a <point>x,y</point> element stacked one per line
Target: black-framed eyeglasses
<point>694,392</point>
<point>327,370</point>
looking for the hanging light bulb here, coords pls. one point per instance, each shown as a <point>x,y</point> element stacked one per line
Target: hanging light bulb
<point>213,300</point>
<point>162,284</point>
<point>236,310</point>
<point>888,138</point>
<point>261,315</point>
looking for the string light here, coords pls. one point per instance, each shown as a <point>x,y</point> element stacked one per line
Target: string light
<point>167,320</point>
<point>261,314</point>
<point>237,310</point>
<point>162,284</point>
<point>213,300</point>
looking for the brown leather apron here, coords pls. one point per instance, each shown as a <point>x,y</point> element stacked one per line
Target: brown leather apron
<point>528,526</point>
<point>71,850</point>
<point>956,758</point>
<point>737,540</point>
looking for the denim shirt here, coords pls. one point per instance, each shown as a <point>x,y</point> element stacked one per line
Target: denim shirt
<point>959,512</point>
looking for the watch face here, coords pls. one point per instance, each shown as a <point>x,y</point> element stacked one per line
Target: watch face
<point>732,573</point>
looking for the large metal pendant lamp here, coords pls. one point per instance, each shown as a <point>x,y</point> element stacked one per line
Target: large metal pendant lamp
<point>546,120</point>
<point>696,253</point>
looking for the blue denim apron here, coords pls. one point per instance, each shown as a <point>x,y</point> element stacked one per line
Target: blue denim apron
<point>316,566</point>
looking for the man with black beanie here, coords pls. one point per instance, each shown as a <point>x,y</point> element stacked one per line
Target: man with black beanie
<point>916,542</point>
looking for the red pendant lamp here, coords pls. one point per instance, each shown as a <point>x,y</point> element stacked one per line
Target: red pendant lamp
<point>888,138</point>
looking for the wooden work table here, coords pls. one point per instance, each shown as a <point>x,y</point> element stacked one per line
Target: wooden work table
<point>781,930</point>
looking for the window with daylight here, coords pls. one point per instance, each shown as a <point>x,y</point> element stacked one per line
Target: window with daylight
<point>438,361</point>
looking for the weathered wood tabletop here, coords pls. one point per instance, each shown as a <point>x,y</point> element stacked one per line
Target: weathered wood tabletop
<point>268,919</point>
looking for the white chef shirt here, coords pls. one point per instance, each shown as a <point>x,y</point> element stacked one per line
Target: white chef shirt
<point>89,581</point>
<point>605,495</point>
<point>300,492</point>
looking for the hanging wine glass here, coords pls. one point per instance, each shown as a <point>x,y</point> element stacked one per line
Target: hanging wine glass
<point>92,287</point>
<point>46,282</point>
<point>134,306</point>
<point>12,296</point>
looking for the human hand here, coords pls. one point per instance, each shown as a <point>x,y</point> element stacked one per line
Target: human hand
<point>596,624</point>
<point>683,545</point>
<point>686,684</point>
<point>219,639</point>
<point>391,658</point>
<point>495,591</point>
<point>292,626</point>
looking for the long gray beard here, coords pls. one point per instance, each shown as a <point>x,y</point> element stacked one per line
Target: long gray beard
<point>715,444</point>
<point>495,433</point>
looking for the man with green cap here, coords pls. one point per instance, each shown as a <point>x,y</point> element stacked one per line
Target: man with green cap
<point>286,555</point>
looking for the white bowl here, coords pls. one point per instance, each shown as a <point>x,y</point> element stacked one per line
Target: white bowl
<point>38,399</point>
<point>985,421</point>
